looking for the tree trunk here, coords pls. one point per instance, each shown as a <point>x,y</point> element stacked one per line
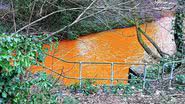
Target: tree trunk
<point>143,44</point>
<point>162,54</point>
<point>140,31</point>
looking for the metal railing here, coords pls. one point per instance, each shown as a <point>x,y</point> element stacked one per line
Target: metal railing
<point>171,77</point>
<point>160,75</point>
<point>112,74</point>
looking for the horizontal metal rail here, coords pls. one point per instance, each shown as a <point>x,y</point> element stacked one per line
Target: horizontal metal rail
<point>77,78</point>
<point>112,74</point>
<point>85,62</point>
<point>112,79</point>
<point>171,62</point>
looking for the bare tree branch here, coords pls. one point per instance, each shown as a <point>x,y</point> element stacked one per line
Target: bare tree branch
<point>33,7</point>
<point>14,21</point>
<point>46,16</point>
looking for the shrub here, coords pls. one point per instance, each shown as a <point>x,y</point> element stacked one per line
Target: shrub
<point>18,54</point>
<point>70,100</point>
<point>36,89</point>
<point>88,87</point>
<point>180,81</point>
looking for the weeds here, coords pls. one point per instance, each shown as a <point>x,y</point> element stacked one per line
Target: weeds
<point>88,87</point>
<point>70,100</point>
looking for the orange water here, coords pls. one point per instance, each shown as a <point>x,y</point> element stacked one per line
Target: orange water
<point>119,45</point>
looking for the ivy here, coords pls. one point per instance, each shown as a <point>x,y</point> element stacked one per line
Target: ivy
<point>17,54</point>
<point>179,26</point>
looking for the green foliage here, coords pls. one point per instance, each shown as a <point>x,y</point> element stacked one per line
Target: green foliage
<point>153,71</point>
<point>168,62</point>
<point>179,26</point>
<point>134,85</point>
<point>121,88</point>
<point>180,80</point>
<point>74,87</point>
<point>36,89</point>
<point>5,27</point>
<point>117,87</point>
<point>70,100</point>
<point>71,35</point>
<point>88,87</point>
<point>18,53</point>
<point>92,26</point>
<point>105,88</point>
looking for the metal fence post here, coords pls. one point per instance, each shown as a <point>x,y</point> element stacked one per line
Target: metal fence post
<point>163,70</point>
<point>80,74</point>
<point>144,79</point>
<point>171,75</point>
<point>158,73</point>
<point>112,74</point>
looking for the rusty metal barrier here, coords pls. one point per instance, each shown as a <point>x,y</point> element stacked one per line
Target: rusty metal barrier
<point>112,79</point>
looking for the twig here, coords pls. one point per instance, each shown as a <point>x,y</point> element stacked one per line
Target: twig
<point>31,15</point>
<point>76,21</point>
<point>14,21</point>
<point>58,77</point>
<point>46,16</point>
<point>41,9</point>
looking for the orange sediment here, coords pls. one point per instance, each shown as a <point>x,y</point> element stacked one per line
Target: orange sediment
<point>118,45</point>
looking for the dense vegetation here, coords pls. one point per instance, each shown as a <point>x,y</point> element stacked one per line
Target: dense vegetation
<point>27,11</point>
<point>18,85</point>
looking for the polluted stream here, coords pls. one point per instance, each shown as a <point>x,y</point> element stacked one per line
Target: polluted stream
<point>117,45</point>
